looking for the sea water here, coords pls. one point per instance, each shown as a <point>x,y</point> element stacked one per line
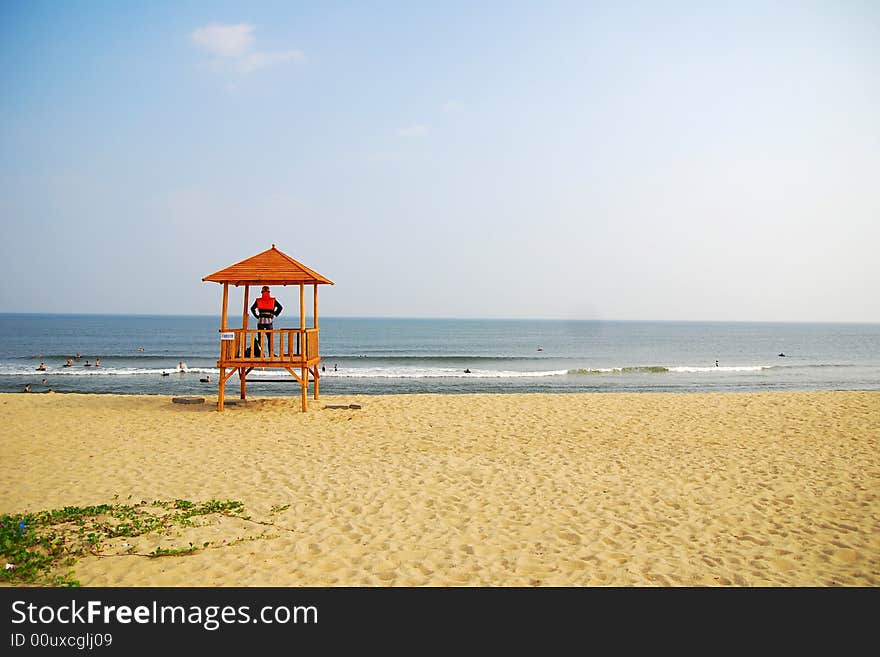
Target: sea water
<point>382,356</point>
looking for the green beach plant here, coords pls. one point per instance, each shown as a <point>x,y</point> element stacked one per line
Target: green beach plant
<point>37,547</point>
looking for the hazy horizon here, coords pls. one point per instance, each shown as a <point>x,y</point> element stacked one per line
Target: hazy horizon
<point>557,160</point>
<point>234,318</point>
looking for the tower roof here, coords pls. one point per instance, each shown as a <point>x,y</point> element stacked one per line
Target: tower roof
<point>271,267</point>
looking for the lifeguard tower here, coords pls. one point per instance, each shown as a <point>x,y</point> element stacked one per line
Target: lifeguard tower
<point>292,349</point>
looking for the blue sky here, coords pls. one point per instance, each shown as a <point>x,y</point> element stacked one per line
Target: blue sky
<point>573,160</point>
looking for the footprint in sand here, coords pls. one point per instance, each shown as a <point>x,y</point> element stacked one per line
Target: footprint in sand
<point>846,555</point>
<point>783,565</point>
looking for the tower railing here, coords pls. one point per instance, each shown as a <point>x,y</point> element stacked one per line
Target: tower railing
<point>285,346</point>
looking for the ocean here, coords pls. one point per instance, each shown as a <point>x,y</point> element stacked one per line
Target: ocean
<point>384,356</point>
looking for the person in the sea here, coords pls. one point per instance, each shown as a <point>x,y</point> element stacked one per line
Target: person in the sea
<point>69,363</point>
<point>27,387</point>
<point>206,379</point>
<point>716,363</point>
<point>97,362</point>
<point>181,367</point>
<point>88,364</point>
<point>42,367</point>
<point>467,371</point>
<point>266,308</point>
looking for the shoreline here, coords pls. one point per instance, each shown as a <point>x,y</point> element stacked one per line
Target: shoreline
<point>232,393</point>
<point>471,489</point>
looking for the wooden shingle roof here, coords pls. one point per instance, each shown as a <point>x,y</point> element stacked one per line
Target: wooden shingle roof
<point>271,267</point>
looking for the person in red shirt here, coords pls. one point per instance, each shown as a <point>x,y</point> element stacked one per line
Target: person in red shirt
<point>265,308</point>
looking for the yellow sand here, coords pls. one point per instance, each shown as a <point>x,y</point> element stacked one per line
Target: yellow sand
<point>769,489</point>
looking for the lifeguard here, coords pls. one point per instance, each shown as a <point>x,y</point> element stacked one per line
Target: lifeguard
<point>266,308</point>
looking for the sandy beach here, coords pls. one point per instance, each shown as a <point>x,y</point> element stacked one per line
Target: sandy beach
<point>752,489</point>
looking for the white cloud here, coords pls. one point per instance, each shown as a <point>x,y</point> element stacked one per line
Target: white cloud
<point>224,40</point>
<point>232,46</point>
<point>413,131</point>
<point>453,106</point>
<point>257,60</point>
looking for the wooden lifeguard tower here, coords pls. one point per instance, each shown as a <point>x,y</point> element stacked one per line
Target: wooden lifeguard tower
<point>292,349</point>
